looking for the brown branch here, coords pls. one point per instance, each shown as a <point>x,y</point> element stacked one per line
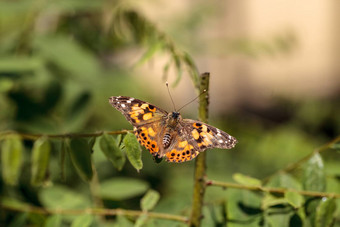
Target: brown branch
<point>271,190</point>
<point>200,164</point>
<point>28,136</point>
<point>94,211</point>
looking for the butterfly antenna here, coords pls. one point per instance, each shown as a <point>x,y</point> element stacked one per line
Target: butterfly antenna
<point>167,86</point>
<point>204,91</point>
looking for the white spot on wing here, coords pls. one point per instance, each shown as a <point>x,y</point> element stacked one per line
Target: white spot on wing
<point>128,101</point>
<point>123,105</point>
<point>220,141</point>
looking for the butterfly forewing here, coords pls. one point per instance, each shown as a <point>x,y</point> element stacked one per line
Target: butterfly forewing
<point>207,136</point>
<point>136,111</point>
<point>195,137</point>
<point>146,119</point>
<point>148,136</point>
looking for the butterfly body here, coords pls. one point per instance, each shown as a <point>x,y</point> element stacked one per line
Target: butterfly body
<point>168,134</point>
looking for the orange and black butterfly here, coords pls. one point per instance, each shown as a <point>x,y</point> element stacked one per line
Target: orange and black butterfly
<point>168,134</point>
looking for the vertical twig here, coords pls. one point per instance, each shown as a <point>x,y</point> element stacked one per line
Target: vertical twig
<point>200,164</point>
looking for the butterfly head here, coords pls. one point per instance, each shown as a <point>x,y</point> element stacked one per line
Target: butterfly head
<point>175,115</point>
<point>173,118</point>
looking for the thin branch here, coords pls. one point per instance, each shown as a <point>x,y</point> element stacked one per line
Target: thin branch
<point>200,163</point>
<point>298,163</point>
<point>28,136</point>
<point>271,190</point>
<point>95,211</point>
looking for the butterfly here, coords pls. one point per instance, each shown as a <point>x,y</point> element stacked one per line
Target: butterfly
<point>168,135</point>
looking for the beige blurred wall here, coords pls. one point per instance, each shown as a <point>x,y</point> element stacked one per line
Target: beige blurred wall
<point>309,69</point>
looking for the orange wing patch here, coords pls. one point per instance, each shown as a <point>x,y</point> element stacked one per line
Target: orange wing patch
<point>147,116</point>
<point>181,153</point>
<point>146,137</point>
<point>203,135</point>
<point>142,112</point>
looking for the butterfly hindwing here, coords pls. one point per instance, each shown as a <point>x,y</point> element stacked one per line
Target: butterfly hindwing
<point>181,151</point>
<point>148,136</point>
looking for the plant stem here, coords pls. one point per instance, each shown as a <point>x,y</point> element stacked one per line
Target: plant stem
<point>200,163</point>
<point>271,190</point>
<point>94,211</point>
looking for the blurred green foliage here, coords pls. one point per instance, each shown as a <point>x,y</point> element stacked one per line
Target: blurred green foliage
<point>57,71</point>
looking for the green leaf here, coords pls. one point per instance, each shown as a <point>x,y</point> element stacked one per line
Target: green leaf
<point>246,180</point>
<point>314,177</point>
<point>294,199</point>
<point>141,220</point>
<point>13,203</point>
<point>11,159</point>
<point>19,220</point>
<point>279,219</point>
<point>243,206</point>
<point>310,209</point>
<point>60,197</point>
<point>82,221</point>
<point>209,213</point>
<point>119,139</point>
<point>193,71</point>
<point>133,151</point>
<point>153,48</point>
<point>283,180</point>
<point>325,212</point>
<point>179,70</point>
<point>269,200</point>
<point>166,70</point>
<point>122,188</point>
<point>53,221</point>
<point>91,142</point>
<point>108,145</point>
<point>122,221</point>
<point>20,64</point>
<point>62,159</point>
<point>40,160</point>
<point>149,200</point>
<point>77,112</point>
<point>36,219</point>
<point>80,153</point>
<point>336,146</point>
<point>6,85</point>
<point>295,221</point>
<point>216,213</point>
<point>68,54</point>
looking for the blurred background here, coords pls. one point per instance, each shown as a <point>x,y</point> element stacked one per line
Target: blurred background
<point>274,82</point>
